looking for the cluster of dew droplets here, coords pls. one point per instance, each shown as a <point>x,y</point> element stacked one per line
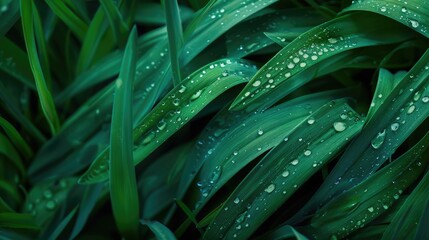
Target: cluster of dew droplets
<point>207,185</point>
<point>46,199</point>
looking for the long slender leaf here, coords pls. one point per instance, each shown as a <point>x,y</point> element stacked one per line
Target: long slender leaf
<point>45,97</point>
<point>161,232</point>
<point>117,23</point>
<point>9,13</point>
<point>16,138</point>
<point>123,185</point>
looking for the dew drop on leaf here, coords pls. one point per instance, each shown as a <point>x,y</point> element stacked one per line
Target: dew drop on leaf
<point>339,126</point>
<point>270,188</point>
<point>378,140</point>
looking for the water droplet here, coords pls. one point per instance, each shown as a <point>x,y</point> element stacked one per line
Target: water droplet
<point>47,194</point>
<point>256,83</point>
<point>385,207</point>
<point>295,60</point>
<point>294,162</point>
<point>303,64</point>
<point>311,120</point>
<point>314,57</point>
<point>417,96</point>
<point>182,89</point>
<point>119,83</point>
<point>285,173</point>
<point>411,109</point>
<point>404,10</point>
<point>332,40</point>
<point>268,75</point>
<point>148,138</point>
<point>425,99</point>
<point>270,188</point>
<point>383,9</point>
<point>51,205</point>
<point>307,152</point>
<point>236,200</point>
<point>4,8</point>
<point>235,153</point>
<point>414,23</point>
<point>161,125</point>
<point>343,116</point>
<point>394,127</point>
<point>339,126</point>
<point>216,174</point>
<point>260,132</point>
<point>378,140</point>
<point>196,95</point>
<point>291,65</point>
<point>286,139</point>
<point>371,209</point>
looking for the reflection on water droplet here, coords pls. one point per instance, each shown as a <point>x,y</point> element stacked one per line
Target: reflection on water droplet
<point>339,126</point>
<point>285,173</point>
<point>256,83</point>
<point>371,209</point>
<point>383,9</point>
<point>270,188</point>
<point>51,205</point>
<point>260,132</point>
<point>47,194</point>
<point>378,140</point>
<point>394,127</point>
<point>161,125</point>
<point>411,109</point>
<point>295,162</point>
<point>176,102</point>
<point>307,152</point>
<point>148,138</point>
<point>182,89</point>
<point>425,99</point>
<point>414,23</point>
<point>236,200</point>
<point>196,95</point>
<point>311,120</point>
<point>332,40</point>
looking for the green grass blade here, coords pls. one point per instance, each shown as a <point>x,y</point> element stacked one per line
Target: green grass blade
<point>404,224</point>
<point>42,46</point>
<point>284,232</point>
<point>177,108</point>
<point>196,21</point>
<point>413,14</point>
<point>364,202</point>
<point>16,138</point>
<point>96,31</point>
<point>161,231</point>
<point>264,131</point>
<point>62,225</point>
<point>9,13</point>
<point>422,232</point>
<point>89,199</point>
<point>18,221</point>
<point>385,85</point>
<point>382,135</point>
<point>16,62</point>
<point>175,37</point>
<point>286,167</point>
<point>119,27</point>
<point>4,207</point>
<point>154,14</point>
<point>9,152</point>
<point>45,97</point>
<point>123,185</point>
<point>319,43</point>
<point>72,21</point>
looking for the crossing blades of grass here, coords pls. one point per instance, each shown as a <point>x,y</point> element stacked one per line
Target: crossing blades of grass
<point>123,185</point>
<point>361,204</point>
<point>9,13</point>
<point>175,37</point>
<point>268,129</point>
<point>414,13</point>
<point>403,111</point>
<point>177,108</point>
<point>322,42</point>
<point>385,84</point>
<point>160,231</point>
<point>45,97</point>
<point>117,23</point>
<point>14,62</point>
<point>405,222</point>
<point>285,168</point>
<point>62,225</point>
<point>73,22</point>
<point>16,138</point>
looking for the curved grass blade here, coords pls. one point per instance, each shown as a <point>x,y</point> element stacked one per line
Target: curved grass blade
<point>264,131</point>
<point>47,103</point>
<point>9,152</point>
<point>123,185</point>
<point>18,221</point>
<point>319,43</point>
<point>404,224</point>
<point>62,225</point>
<point>413,13</point>
<point>160,230</point>
<point>390,125</point>
<point>4,207</point>
<point>385,84</point>
<point>277,176</point>
<point>119,27</point>
<point>284,232</point>
<point>73,22</point>
<point>153,13</point>
<point>96,31</point>
<point>39,34</point>
<point>422,232</point>
<point>14,62</point>
<point>361,204</point>
<point>175,37</point>
<point>177,108</point>
<point>89,199</point>
<point>16,138</point>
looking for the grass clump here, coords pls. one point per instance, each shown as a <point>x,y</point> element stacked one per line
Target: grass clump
<point>258,119</point>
